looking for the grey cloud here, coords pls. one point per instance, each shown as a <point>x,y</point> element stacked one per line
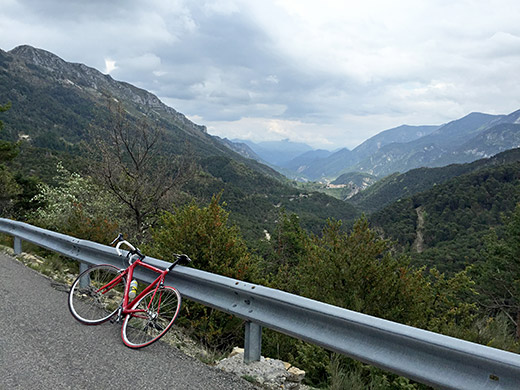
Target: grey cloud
<point>73,11</point>
<point>221,63</point>
<point>224,62</point>
<point>234,66</point>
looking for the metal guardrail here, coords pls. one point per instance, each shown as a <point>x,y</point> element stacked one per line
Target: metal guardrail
<point>427,357</point>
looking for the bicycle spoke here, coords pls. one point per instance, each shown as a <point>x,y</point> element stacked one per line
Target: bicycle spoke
<point>98,301</point>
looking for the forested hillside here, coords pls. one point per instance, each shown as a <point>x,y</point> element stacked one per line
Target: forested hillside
<point>400,186</point>
<point>446,225</point>
<point>54,104</point>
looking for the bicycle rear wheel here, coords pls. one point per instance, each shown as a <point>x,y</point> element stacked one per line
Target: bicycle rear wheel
<point>96,294</point>
<point>157,312</point>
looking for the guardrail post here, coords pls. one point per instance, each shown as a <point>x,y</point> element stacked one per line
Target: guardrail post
<point>253,342</point>
<point>85,280</point>
<point>17,245</point>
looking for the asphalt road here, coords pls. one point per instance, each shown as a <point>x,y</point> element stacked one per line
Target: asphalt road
<point>43,347</point>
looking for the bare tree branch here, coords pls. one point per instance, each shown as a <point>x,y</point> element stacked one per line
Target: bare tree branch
<point>134,167</point>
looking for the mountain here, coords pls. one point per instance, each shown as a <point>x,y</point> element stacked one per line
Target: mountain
<point>329,167</point>
<point>500,137</point>
<point>241,148</point>
<point>428,151</point>
<point>55,102</point>
<point>458,131</point>
<point>397,186</point>
<point>277,153</point>
<point>403,148</point>
<point>400,149</point>
<point>303,161</point>
<point>459,141</point>
<point>401,134</point>
<point>336,163</point>
<point>353,183</point>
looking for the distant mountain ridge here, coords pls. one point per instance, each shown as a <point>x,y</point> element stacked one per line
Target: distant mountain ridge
<point>276,153</point>
<point>477,135</point>
<point>303,161</point>
<point>472,137</point>
<point>400,134</point>
<point>297,160</point>
<point>339,162</point>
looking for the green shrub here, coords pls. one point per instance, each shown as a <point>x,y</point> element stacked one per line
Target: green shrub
<point>204,235</point>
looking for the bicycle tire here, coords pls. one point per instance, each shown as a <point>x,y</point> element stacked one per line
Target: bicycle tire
<point>87,303</point>
<point>159,312</point>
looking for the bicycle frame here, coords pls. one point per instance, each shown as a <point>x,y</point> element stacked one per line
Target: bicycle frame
<point>127,305</point>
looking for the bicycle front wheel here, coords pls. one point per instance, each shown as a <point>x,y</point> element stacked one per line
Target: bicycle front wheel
<point>96,294</point>
<point>156,312</point>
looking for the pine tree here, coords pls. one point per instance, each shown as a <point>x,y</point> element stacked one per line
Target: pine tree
<point>499,282</point>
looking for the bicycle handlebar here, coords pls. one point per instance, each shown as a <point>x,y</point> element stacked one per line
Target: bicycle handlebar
<point>135,251</point>
<point>184,258</point>
<point>132,248</point>
<point>118,238</point>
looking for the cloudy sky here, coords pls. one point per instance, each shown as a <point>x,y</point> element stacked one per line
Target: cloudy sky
<point>329,73</point>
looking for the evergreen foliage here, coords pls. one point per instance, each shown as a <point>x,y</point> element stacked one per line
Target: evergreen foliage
<point>359,270</point>
<point>9,188</point>
<point>215,246</point>
<point>457,215</point>
<point>498,273</point>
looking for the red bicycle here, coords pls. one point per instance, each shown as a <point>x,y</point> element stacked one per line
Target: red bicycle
<point>103,292</point>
